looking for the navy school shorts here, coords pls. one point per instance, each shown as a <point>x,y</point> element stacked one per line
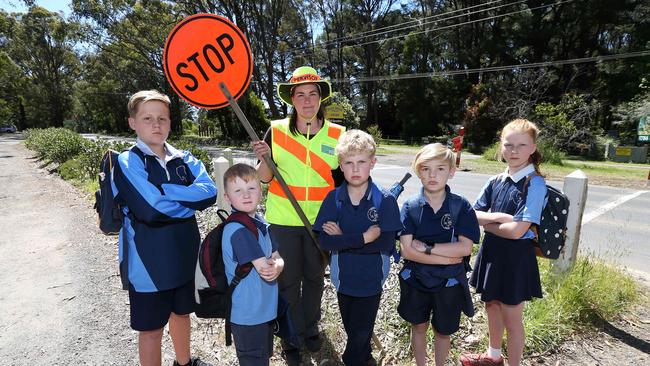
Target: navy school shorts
<point>443,308</point>
<point>151,310</point>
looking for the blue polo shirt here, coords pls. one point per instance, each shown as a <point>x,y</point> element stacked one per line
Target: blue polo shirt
<point>254,300</point>
<point>357,269</point>
<point>505,193</point>
<point>437,227</point>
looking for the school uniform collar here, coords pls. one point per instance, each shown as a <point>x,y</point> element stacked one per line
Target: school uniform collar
<point>422,200</point>
<point>344,195</point>
<point>170,151</point>
<point>523,173</point>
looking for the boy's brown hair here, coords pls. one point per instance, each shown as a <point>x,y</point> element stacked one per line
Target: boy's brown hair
<point>145,96</point>
<point>430,152</point>
<point>355,141</point>
<point>239,170</point>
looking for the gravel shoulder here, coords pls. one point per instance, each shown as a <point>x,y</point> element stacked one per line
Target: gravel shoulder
<point>62,302</point>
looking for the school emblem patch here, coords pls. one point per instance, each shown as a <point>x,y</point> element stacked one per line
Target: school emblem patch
<point>181,173</point>
<point>373,215</point>
<point>446,222</point>
<point>515,196</point>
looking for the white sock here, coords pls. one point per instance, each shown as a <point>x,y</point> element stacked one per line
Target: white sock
<point>494,353</point>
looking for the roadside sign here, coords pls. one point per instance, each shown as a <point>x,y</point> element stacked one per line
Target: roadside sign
<point>334,111</point>
<point>202,51</point>
<point>623,151</point>
<point>644,129</point>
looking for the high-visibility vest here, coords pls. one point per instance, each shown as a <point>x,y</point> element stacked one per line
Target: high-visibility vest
<point>306,166</point>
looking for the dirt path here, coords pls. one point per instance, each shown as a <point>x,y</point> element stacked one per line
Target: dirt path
<point>61,302</point>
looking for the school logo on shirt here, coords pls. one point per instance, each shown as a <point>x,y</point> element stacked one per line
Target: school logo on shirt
<point>446,222</point>
<point>515,196</point>
<point>373,215</point>
<point>181,173</point>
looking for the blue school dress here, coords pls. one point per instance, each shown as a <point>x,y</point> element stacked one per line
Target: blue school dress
<point>505,269</point>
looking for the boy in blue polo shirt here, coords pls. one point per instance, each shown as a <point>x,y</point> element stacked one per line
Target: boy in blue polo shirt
<point>159,188</point>
<point>433,281</point>
<point>255,299</point>
<point>358,222</point>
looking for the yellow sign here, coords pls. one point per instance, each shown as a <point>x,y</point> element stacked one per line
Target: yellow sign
<point>334,111</point>
<point>623,151</point>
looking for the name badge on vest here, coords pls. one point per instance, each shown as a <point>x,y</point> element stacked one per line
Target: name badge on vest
<point>327,149</point>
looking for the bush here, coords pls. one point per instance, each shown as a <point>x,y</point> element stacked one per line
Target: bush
<point>491,152</point>
<point>375,132</point>
<point>56,145</point>
<point>72,170</point>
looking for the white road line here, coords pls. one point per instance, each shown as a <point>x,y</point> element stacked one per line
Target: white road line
<point>609,206</point>
<point>386,167</point>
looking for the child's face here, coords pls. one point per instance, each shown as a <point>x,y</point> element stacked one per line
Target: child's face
<point>152,123</point>
<point>244,196</point>
<point>434,175</point>
<point>356,167</point>
<point>516,148</point>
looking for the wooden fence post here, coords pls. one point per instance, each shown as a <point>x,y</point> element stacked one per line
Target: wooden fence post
<point>575,187</point>
<point>220,165</point>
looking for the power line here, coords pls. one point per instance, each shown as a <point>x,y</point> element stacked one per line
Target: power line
<point>399,26</point>
<point>449,26</point>
<point>496,68</point>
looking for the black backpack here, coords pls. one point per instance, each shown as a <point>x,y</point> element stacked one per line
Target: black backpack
<point>550,234</point>
<point>214,298</point>
<point>108,207</point>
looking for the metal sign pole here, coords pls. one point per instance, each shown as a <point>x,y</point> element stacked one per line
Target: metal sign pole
<point>274,169</point>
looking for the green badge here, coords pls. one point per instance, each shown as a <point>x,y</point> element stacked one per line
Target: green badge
<point>327,149</point>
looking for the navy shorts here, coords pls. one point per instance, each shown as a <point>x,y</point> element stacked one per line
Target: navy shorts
<point>151,310</point>
<point>253,343</point>
<point>443,307</point>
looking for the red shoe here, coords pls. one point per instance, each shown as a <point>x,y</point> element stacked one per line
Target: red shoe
<point>482,359</point>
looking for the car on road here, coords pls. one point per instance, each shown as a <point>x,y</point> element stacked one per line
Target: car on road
<point>7,128</point>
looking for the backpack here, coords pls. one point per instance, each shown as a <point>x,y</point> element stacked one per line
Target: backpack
<point>107,205</point>
<point>550,234</point>
<point>455,204</point>
<point>213,293</point>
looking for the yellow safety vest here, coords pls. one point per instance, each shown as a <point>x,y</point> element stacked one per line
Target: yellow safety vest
<point>306,166</point>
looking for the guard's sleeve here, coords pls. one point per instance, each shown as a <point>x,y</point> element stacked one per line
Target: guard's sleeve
<point>531,209</point>
<point>467,225</point>
<point>199,195</point>
<point>329,212</point>
<point>145,200</point>
<point>484,200</point>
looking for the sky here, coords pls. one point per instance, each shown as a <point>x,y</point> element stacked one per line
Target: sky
<point>52,5</point>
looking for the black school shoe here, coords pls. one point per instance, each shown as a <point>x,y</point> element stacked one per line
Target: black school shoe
<point>314,343</point>
<point>292,356</point>
<point>194,361</point>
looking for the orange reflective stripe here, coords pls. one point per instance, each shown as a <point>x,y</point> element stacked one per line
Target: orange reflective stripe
<point>334,132</point>
<point>315,193</point>
<point>298,150</point>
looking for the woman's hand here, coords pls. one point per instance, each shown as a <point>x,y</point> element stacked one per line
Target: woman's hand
<point>260,148</point>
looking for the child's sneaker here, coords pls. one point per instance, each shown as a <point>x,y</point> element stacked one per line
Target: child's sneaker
<point>194,361</point>
<point>292,357</point>
<point>482,359</point>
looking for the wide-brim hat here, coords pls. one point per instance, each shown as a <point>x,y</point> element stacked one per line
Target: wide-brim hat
<point>304,75</point>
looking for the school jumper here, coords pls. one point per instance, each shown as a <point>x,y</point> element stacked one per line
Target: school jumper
<point>506,270</point>
<point>358,270</point>
<point>159,239</point>
<point>254,301</point>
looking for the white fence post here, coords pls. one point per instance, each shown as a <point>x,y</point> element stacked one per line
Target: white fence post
<point>220,165</point>
<point>227,153</point>
<point>575,187</point>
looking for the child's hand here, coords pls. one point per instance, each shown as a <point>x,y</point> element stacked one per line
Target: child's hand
<point>332,228</point>
<point>418,246</point>
<point>272,270</point>
<point>260,148</point>
<point>371,234</point>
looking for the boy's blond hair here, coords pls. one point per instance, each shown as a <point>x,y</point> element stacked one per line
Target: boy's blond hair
<point>355,141</point>
<point>430,152</point>
<point>145,96</point>
<point>240,170</point>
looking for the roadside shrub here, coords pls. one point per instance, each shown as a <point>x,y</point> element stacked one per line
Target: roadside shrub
<point>56,145</point>
<point>491,152</point>
<point>375,132</point>
<point>71,170</point>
